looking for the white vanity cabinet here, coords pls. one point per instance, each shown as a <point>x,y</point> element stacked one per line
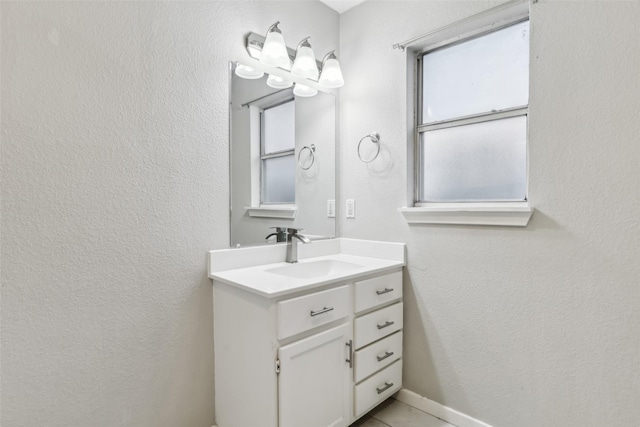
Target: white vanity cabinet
<point>316,358</point>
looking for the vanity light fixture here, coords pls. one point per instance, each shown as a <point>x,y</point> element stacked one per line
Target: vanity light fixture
<point>278,82</point>
<point>331,75</point>
<point>304,64</point>
<point>271,55</point>
<point>247,72</point>
<point>274,51</point>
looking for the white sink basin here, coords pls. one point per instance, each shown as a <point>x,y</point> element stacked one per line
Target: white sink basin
<point>313,269</point>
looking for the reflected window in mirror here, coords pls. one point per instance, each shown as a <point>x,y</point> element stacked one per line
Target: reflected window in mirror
<point>277,153</point>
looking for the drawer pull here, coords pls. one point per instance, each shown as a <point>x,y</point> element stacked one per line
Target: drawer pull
<point>384,291</point>
<point>386,354</point>
<point>387,386</point>
<point>324,310</point>
<point>387,323</point>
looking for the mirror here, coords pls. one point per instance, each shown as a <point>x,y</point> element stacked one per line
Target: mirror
<point>282,161</point>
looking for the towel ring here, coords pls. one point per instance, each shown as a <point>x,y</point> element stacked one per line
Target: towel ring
<point>375,138</point>
<point>312,150</point>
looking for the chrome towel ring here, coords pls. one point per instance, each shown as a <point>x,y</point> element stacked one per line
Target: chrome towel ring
<point>375,138</point>
<point>312,155</point>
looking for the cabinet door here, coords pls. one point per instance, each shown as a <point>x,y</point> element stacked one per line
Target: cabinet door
<point>314,387</point>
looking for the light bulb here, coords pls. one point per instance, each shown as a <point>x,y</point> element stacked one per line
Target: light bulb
<point>274,51</point>
<point>304,91</point>
<point>278,82</point>
<point>304,64</point>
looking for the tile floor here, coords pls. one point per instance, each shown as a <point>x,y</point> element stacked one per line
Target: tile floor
<point>394,413</point>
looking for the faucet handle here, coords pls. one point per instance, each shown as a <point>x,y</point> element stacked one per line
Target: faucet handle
<point>294,230</point>
<point>279,229</point>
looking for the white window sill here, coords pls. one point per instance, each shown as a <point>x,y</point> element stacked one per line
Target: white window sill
<point>513,214</point>
<point>274,211</point>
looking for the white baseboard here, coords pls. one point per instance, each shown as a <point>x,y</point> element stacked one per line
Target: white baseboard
<point>438,410</point>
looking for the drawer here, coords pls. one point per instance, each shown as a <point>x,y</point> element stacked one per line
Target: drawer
<point>376,325</point>
<point>377,291</point>
<point>300,314</point>
<point>374,390</point>
<point>378,355</point>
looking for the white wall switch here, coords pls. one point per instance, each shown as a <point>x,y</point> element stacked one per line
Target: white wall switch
<point>351,208</point>
<point>331,208</point>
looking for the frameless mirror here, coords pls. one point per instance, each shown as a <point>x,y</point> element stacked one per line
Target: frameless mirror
<point>282,161</point>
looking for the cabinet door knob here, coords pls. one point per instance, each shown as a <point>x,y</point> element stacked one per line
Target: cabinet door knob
<point>324,310</point>
<point>387,323</point>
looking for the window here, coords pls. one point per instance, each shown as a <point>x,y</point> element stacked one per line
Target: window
<point>277,148</point>
<point>471,127</point>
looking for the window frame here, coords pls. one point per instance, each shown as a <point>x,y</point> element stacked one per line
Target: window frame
<point>421,128</point>
<point>460,213</point>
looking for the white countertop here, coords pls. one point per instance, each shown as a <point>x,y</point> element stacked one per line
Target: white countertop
<point>248,268</point>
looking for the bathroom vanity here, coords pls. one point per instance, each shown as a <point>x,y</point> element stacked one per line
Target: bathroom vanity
<point>316,343</point>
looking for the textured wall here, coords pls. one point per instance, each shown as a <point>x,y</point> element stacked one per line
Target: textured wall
<point>535,326</point>
<point>114,186</point>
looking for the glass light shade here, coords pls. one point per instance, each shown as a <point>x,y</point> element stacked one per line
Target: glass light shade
<point>331,74</point>
<point>305,63</point>
<point>277,82</point>
<point>304,91</point>
<point>274,51</point>
<point>247,72</point>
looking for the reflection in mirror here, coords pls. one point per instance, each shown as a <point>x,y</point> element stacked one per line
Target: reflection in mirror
<point>282,162</point>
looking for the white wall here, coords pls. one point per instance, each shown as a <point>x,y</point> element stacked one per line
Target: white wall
<point>535,326</point>
<point>114,186</point>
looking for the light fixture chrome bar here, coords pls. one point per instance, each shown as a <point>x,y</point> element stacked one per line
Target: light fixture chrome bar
<point>255,42</point>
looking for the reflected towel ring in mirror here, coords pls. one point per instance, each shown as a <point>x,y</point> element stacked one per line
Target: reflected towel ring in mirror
<point>375,138</point>
<point>312,156</point>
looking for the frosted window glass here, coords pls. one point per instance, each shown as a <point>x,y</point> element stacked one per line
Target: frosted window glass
<point>279,128</point>
<point>278,180</point>
<point>481,161</point>
<point>477,76</point>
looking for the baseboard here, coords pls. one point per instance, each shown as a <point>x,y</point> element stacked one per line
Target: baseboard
<point>438,410</point>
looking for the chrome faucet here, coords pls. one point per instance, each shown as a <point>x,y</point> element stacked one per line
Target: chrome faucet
<point>280,233</point>
<point>292,246</point>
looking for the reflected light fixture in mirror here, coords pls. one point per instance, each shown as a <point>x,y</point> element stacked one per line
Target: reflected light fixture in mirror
<point>247,72</point>
<point>305,63</point>
<point>304,91</point>
<point>274,51</point>
<point>277,82</point>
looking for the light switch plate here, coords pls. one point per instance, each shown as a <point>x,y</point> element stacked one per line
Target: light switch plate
<point>351,208</point>
<point>331,208</point>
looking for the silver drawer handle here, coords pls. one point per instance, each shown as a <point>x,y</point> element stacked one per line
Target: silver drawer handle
<point>387,323</point>
<point>386,354</point>
<point>384,291</point>
<point>387,386</point>
<point>324,310</point>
